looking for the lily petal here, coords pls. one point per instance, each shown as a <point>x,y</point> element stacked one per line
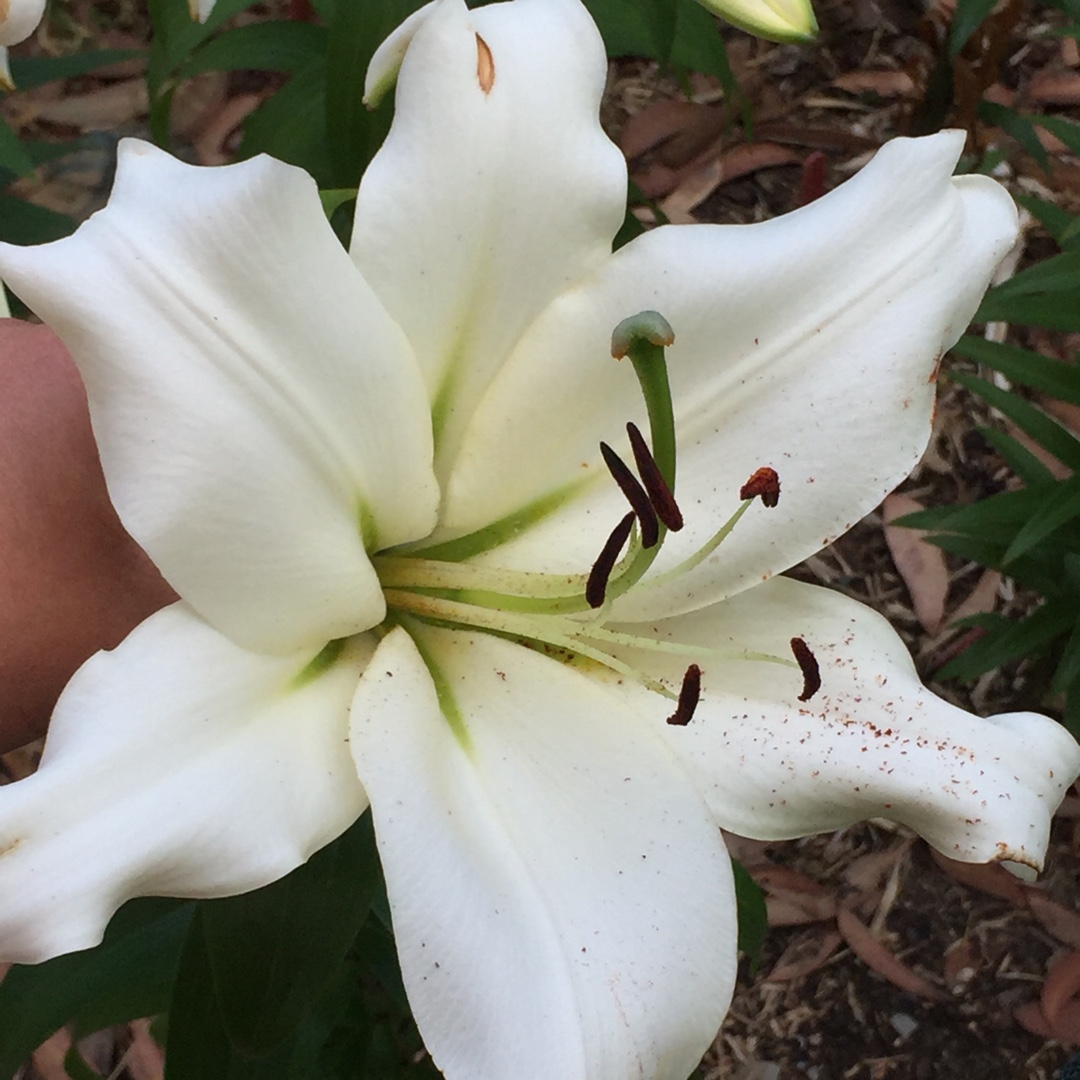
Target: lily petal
<point>514,191</point>
<point>562,901</point>
<point>177,765</point>
<point>260,418</point>
<point>19,19</point>
<point>780,329</point>
<point>873,741</point>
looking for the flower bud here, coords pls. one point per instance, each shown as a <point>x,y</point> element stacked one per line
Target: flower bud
<point>776,20</point>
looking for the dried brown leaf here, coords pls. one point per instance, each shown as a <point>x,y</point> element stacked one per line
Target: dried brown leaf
<point>881,959</point>
<point>1059,920</point>
<point>807,953</point>
<point>990,878</point>
<point>1055,88</point>
<point>920,563</point>
<point>145,1060</point>
<point>981,600</point>
<point>886,84</point>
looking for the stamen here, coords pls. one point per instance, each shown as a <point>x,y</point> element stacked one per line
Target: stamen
<point>808,664</point>
<point>764,483</point>
<point>485,65</point>
<point>596,587</point>
<point>660,495</point>
<point>635,496</point>
<point>689,696</point>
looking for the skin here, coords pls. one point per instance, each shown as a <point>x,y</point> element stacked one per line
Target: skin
<point>72,581</point>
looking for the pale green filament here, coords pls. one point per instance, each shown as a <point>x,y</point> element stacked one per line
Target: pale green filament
<point>438,585</point>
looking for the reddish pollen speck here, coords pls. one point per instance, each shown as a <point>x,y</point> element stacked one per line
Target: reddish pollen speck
<point>937,368</point>
<point>764,484</point>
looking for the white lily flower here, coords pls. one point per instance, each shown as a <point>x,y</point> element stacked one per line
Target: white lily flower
<point>376,482</point>
<point>18,20</point>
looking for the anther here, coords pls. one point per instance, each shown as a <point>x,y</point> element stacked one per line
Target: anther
<point>689,696</point>
<point>635,495</point>
<point>808,665</point>
<point>596,586</point>
<point>485,65</point>
<point>660,495</point>
<point>764,483</point>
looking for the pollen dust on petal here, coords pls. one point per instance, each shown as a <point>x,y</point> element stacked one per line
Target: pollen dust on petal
<point>7,849</point>
<point>485,64</point>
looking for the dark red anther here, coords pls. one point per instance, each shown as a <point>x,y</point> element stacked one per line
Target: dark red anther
<point>635,495</point>
<point>689,696</point>
<point>764,484</point>
<point>811,673</point>
<point>660,495</point>
<point>600,574</point>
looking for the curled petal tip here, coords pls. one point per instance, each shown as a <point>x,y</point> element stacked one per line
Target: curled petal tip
<point>387,59</point>
<point>776,20</point>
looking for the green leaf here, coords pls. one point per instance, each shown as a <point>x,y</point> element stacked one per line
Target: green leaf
<point>291,125</point>
<point>1055,220</point>
<point>279,45</point>
<point>1046,432</point>
<point>1058,274</point>
<point>1072,709</point>
<point>699,46</point>
<point>1011,640</point>
<point>1053,377</point>
<point>1018,457</point>
<point>175,36</point>
<point>1068,669</point>
<point>968,17</point>
<point>1046,309</point>
<point>332,198</point>
<point>75,1065</point>
<point>1066,130</point>
<point>272,951</point>
<point>1019,127</point>
<point>636,27</point>
<point>1001,514</point>
<point>13,155</point>
<point>31,71</point>
<point>23,223</point>
<point>1051,516</point>
<point>128,975</point>
<point>355,132</point>
<point>197,1047</point>
<point>753,916</point>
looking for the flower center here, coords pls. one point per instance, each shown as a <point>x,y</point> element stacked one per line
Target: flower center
<point>568,615</point>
